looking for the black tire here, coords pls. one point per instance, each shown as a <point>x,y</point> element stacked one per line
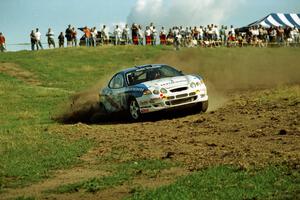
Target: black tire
<point>204,106</point>
<point>201,107</point>
<point>134,110</point>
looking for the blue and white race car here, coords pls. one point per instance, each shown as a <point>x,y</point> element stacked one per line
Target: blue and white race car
<point>150,88</point>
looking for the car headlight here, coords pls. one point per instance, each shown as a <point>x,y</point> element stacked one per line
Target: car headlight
<point>193,85</point>
<point>147,92</point>
<point>200,83</point>
<point>163,90</point>
<point>155,92</point>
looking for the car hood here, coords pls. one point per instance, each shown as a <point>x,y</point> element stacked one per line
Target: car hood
<point>171,82</point>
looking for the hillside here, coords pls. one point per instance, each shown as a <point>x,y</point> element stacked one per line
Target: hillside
<point>246,146</point>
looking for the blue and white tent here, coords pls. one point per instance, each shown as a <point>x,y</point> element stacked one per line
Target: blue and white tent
<point>279,19</point>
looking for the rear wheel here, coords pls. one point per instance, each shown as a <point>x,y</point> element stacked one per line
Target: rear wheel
<point>134,110</point>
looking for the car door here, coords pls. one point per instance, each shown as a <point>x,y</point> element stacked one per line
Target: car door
<point>114,97</point>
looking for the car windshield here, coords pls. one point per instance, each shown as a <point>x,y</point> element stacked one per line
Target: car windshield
<point>150,73</point>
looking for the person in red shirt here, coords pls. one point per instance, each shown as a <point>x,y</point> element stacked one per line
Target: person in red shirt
<point>2,43</point>
<point>87,35</point>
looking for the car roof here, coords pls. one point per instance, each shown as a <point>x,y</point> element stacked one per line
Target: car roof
<point>140,67</point>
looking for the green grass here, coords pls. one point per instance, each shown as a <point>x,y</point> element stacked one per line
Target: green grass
<point>74,69</point>
<point>225,182</point>
<point>122,173</point>
<point>28,151</point>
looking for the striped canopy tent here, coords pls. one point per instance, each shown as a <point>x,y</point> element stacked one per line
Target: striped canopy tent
<point>279,19</point>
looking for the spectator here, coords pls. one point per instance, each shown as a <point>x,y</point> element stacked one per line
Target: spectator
<point>141,35</point>
<point>87,36</point>
<point>32,40</point>
<point>68,34</point>
<point>273,34</point>
<point>163,36</point>
<point>195,33</point>
<point>170,37</point>
<point>61,40</point>
<point>38,39</point>
<point>94,34</point>
<point>232,31</point>
<point>222,35</point>
<point>2,43</point>
<point>135,34</point>
<point>280,35</point>
<point>126,33</point>
<point>50,36</point>
<point>74,37</point>
<point>216,33</point>
<point>148,35</point>
<point>105,35</point>
<point>153,36</point>
<point>177,41</point>
<point>295,35</point>
<point>117,35</point>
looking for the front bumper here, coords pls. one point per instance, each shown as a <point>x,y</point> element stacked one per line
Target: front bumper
<point>153,103</point>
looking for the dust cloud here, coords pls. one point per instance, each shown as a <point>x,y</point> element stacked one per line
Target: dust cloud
<point>228,71</point>
<point>83,106</point>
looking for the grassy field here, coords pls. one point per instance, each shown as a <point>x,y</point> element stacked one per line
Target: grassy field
<point>35,86</point>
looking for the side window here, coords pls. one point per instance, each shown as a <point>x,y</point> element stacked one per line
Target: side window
<point>117,82</point>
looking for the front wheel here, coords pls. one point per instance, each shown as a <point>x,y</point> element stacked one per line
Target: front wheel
<point>201,107</point>
<point>134,110</point>
<point>204,106</point>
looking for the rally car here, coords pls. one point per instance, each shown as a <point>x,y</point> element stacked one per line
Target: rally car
<point>151,88</point>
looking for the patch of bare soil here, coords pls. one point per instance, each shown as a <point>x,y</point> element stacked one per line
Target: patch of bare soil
<point>244,132</point>
<point>248,131</point>
<point>14,70</point>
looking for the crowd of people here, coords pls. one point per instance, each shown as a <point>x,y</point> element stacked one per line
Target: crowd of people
<point>179,36</point>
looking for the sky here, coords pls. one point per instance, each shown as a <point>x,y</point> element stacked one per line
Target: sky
<point>19,17</point>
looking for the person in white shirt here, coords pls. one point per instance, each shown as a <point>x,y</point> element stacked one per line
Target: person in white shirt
<point>50,36</point>
<point>148,35</point>
<point>163,36</point>
<point>232,31</point>
<point>216,33</point>
<point>118,35</point>
<point>104,35</point>
<point>38,39</point>
<point>201,33</point>
<point>94,34</point>
<point>126,33</point>
<point>295,35</point>
<point>226,36</point>
<point>153,36</point>
<point>151,26</point>
<point>141,35</point>
<point>176,31</point>
<point>177,41</point>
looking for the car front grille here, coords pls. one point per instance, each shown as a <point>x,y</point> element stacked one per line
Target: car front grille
<point>181,101</point>
<point>179,89</point>
<point>181,96</point>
